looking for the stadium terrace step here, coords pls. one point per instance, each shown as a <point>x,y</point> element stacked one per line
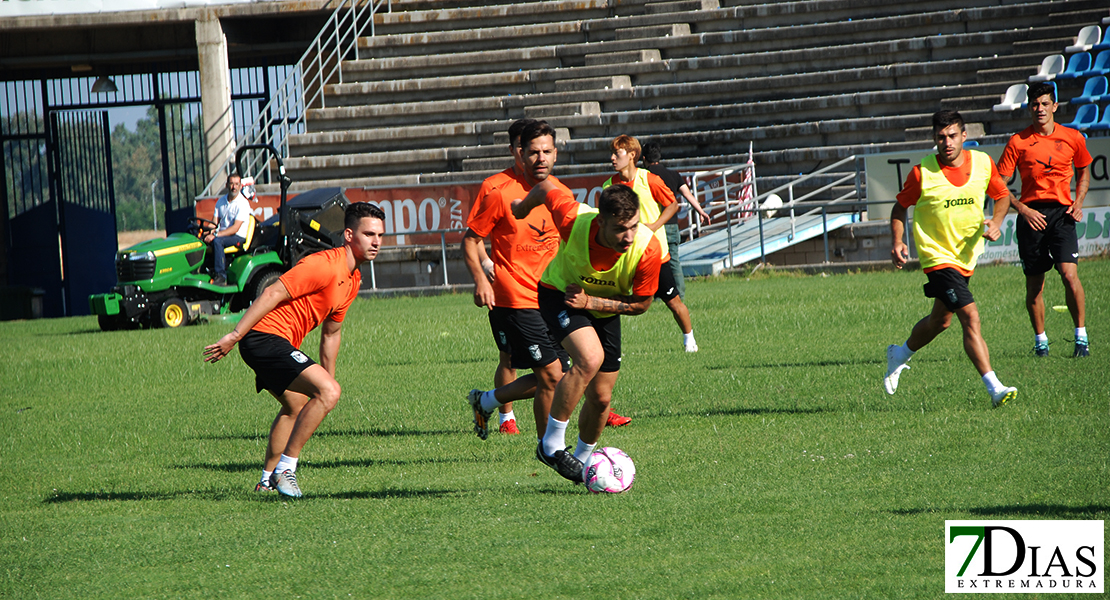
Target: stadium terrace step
<point>975,131</point>
<point>616,82</point>
<point>550,111</point>
<point>487,16</point>
<point>461,63</point>
<point>434,88</point>
<point>361,116</point>
<point>623,58</point>
<point>651,32</point>
<point>681,6</point>
<point>469,40</point>
<point>501,136</point>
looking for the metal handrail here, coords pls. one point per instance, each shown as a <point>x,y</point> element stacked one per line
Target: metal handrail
<point>736,208</point>
<point>736,212</point>
<point>303,88</point>
<point>442,251</point>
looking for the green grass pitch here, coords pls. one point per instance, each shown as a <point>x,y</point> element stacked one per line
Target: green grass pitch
<point>770,464</point>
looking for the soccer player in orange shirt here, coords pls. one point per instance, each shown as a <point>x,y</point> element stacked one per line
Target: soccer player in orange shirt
<point>521,251</point>
<point>1044,154</point>
<point>316,292</point>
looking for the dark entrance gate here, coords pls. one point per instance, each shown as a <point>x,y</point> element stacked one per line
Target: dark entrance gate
<point>57,186</point>
<point>87,221</point>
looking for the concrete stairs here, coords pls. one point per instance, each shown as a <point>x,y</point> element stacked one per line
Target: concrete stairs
<point>431,95</point>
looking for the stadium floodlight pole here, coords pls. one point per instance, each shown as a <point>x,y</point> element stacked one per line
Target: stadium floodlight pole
<point>154,203</point>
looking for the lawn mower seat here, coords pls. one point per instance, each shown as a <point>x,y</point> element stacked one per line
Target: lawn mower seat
<point>248,233</point>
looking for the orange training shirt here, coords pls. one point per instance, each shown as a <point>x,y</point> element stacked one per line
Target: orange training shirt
<point>521,249</point>
<point>1045,163</point>
<point>321,288</point>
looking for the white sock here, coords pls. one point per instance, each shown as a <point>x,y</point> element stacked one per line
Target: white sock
<point>1040,338</point>
<point>489,402</point>
<point>287,463</point>
<point>903,353</point>
<point>688,338</point>
<point>583,450</point>
<point>266,476</point>
<point>1080,333</point>
<point>992,382</point>
<point>509,416</point>
<point>555,438</point>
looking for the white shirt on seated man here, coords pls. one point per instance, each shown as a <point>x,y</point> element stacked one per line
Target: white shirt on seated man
<point>232,212</point>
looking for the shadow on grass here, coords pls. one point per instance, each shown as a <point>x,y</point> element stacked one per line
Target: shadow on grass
<point>386,495</point>
<point>242,467</point>
<point>250,437</point>
<point>859,362</point>
<point>568,490</point>
<point>421,362</point>
<point>1016,510</point>
<point>737,412</point>
<point>796,365</point>
<point>65,497</point>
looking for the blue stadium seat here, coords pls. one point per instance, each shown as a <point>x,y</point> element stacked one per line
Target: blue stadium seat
<point>1103,45</point>
<point>1078,63</point>
<point>1086,116</point>
<point>1093,91</point>
<point>975,144</point>
<point>1101,66</point>
<point>1103,124</point>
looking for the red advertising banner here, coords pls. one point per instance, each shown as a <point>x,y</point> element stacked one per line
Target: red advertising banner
<point>411,213</point>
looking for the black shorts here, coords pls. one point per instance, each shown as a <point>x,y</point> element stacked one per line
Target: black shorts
<point>562,320</point>
<point>667,288</point>
<point>950,287</point>
<point>1055,244</point>
<point>276,363</point>
<point>522,334</point>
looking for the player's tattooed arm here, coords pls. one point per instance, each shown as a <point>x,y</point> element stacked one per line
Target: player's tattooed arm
<point>617,305</point>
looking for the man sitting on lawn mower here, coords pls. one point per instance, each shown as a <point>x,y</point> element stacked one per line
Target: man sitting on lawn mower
<point>232,212</point>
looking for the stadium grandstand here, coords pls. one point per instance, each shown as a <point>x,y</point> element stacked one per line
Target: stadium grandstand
<point>420,92</point>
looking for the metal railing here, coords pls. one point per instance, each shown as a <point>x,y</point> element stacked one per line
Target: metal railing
<point>442,252</point>
<point>319,66</point>
<point>737,210</point>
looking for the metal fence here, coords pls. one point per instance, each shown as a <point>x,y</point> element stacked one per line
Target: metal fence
<point>442,253</point>
<point>303,87</point>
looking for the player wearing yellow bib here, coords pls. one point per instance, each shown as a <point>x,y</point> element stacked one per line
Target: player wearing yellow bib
<point>947,190</point>
<point>657,206</point>
<point>607,266</point>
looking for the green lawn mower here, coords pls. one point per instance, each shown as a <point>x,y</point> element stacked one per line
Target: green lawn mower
<point>167,282</point>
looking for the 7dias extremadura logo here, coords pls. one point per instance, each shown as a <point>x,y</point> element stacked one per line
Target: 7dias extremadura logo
<point>1023,557</point>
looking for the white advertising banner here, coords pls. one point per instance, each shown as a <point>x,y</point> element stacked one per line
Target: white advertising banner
<point>887,172</point>
<point>1093,233</point>
<point>1024,557</point>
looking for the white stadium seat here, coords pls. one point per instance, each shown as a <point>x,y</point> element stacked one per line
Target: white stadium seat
<point>1016,96</point>
<point>1050,67</point>
<point>1088,37</point>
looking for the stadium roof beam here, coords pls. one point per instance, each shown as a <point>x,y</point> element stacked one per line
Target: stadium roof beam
<point>143,41</point>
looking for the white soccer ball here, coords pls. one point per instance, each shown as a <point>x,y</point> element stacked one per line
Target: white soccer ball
<point>608,470</point>
<point>772,201</point>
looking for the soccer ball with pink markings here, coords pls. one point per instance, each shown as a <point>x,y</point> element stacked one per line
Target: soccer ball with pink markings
<point>608,470</point>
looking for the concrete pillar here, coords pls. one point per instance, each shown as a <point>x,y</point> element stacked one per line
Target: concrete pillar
<point>215,92</point>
